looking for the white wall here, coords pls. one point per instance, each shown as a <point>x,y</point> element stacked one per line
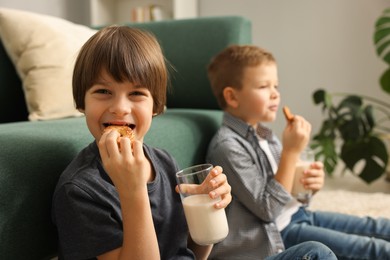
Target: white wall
<point>318,44</point>
<point>73,10</point>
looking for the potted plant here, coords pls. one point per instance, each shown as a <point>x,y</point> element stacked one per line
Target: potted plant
<point>352,132</point>
<point>356,127</point>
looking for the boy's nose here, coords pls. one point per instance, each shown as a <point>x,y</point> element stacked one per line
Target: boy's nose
<point>275,93</point>
<point>121,106</point>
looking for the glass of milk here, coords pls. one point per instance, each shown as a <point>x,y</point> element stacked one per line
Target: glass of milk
<point>207,225</point>
<point>298,191</point>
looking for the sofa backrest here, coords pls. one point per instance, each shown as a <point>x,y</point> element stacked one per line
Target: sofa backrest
<point>188,45</point>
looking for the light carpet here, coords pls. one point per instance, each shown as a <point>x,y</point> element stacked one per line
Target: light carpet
<point>375,204</point>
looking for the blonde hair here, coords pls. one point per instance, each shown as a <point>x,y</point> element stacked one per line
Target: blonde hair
<point>227,67</point>
<point>126,54</point>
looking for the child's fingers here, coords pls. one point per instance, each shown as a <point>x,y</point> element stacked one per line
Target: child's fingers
<point>224,202</point>
<point>138,150</point>
<point>108,145</point>
<point>218,180</point>
<point>220,191</point>
<point>125,147</point>
<point>213,173</point>
<point>313,180</point>
<point>189,188</point>
<point>215,185</point>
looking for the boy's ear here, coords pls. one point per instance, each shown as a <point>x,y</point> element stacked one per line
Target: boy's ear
<point>229,94</point>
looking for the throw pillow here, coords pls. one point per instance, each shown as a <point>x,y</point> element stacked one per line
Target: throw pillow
<point>43,50</point>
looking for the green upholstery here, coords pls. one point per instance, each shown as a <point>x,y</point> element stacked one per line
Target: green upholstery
<point>191,51</point>
<point>185,133</point>
<point>33,154</point>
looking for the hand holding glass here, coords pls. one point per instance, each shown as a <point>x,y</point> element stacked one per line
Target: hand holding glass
<point>207,225</point>
<point>298,191</point>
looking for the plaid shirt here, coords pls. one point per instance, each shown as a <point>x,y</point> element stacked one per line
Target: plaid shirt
<point>258,199</point>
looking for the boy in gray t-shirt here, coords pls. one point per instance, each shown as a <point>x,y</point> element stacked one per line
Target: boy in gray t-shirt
<point>117,199</point>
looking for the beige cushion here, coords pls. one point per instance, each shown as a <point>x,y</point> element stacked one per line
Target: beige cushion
<point>43,49</point>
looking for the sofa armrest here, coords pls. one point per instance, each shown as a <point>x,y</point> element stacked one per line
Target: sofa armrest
<point>32,156</point>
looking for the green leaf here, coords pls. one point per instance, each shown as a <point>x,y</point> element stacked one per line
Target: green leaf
<point>327,130</point>
<point>325,150</point>
<point>386,57</point>
<point>351,102</point>
<point>351,129</point>
<point>371,171</point>
<point>370,152</point>
<point>382,20</point>
<point>381,47</point>
<point>319,96</point>
<point>385,81</point>
<point>322,97</point>
<point>369,118</point>
<point>380,34</point>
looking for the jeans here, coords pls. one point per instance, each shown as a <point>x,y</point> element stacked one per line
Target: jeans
<point>305,251</point>
<point>349,237</point>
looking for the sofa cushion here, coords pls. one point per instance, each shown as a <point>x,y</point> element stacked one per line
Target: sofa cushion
<point>178,129</point>
<point>43,49</point>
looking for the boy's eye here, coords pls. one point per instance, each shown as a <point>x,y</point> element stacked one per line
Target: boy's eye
<point>137,93</point>
<point>140,92</point>
<point>102,91</point>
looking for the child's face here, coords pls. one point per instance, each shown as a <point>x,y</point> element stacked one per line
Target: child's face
<point>259,98</point>
<point>109,102</point>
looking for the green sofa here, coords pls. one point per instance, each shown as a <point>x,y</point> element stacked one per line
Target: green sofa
<point>33,154</point>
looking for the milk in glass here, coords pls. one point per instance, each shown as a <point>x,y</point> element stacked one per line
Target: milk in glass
<point>207,225</point>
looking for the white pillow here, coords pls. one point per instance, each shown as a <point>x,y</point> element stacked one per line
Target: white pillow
<point>43,49</point>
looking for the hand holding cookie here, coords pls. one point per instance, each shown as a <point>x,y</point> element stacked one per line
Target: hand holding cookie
<point>124,131</point>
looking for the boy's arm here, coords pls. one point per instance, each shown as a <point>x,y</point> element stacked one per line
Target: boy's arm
<point>286,170</point>
<point>139,237</point>
<point>263,196</point>
<point>130,171</point>
<point>295,138</point>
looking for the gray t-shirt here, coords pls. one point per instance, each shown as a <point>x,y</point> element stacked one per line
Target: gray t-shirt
<point>86,208</point>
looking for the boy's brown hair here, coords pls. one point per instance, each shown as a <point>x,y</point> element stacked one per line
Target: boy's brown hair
<point>227,67</point>
<point>126,54</point>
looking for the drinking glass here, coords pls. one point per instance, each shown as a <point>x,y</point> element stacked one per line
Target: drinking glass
<point>207,225</point>
<point>298,191</point>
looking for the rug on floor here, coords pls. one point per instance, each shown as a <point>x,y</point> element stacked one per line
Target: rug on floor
<point>351,202</point>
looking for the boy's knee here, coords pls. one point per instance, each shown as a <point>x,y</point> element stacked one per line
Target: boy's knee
<point>317,250</point>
